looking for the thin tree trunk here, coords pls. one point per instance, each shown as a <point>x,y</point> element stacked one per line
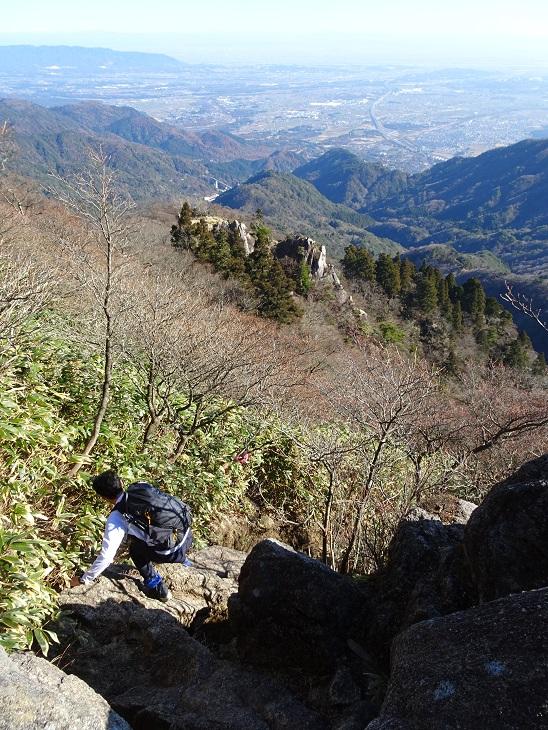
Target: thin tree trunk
<point>345,564</point>
<point>107,369</point>
<point>327,519</point>
<point>101,411</point>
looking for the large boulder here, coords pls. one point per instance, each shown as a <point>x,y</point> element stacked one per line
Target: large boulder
<point>36,695</point>
<point>506,538</point>
<point>142,657</point>
<point>486,667</point>
<point>425,576</point>
<point>294,612</point>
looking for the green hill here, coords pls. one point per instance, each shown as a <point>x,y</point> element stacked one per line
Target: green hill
<point>293,205</point>
<point>154,160</point>
<point>344,178</point>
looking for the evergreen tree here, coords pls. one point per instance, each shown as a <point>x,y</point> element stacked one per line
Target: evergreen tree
<point>443,297</point>
<point>407,274</point>
<point>388,274</point>
<point>452,366</point>
<point>539,366</point>
<point>457,316</point>
<point>271,285</point>
<point>492,307</point>
<point>304,279</point>
<point>358,263</point>
<point>525,340</point>
<point>473,300</point>
<point>426,294</point>
<point>515,356</point>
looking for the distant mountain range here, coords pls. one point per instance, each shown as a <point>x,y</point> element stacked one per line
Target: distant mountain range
<point>154,160</point>
<point>494,202</point>
<point>21,60</point>
<point>486,215</point>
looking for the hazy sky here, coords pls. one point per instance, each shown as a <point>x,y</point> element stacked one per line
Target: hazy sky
<point>459,26</point>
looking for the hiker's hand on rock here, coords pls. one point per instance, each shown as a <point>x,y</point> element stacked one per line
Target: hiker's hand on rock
<point>75,581</point>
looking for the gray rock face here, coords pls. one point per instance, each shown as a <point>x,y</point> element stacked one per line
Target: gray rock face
<point>141,656</point>
<point>506,538</point>
<point>35,695</point>
<point>486,667</point>
<point>239,230</point>
<point>292,611</point>
<point>299,247</point>
<point>425,576</point>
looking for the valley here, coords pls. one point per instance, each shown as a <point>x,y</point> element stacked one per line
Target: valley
<point>403,117</point>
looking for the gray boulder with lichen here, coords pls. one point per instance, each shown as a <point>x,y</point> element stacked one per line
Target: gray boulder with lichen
<point>36,695</point>
<point>486,667</point>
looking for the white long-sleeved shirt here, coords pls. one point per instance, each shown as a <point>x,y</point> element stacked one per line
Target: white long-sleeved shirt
<point>116,529</point>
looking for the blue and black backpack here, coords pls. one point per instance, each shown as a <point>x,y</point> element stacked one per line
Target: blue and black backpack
<point>164,519</point>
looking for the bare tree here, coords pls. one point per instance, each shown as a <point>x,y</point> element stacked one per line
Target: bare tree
<point>524,305</point>
<point>100,255</point>
<point>384,396</point>
<point>233,360</point>
<point>499,418</point>
<point>25,281</point>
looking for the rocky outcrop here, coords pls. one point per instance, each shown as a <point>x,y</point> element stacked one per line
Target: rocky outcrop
<point>35,695</point>
<point>304,249</point>
<point>506,538</point>
<point>486,667</point>
<point>143,658</point>
<point>277,640</point>
<point>239,231</point>
<point>425,576</point>
<point>293,611</point>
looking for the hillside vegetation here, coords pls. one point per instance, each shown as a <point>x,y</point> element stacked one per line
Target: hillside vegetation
<point>120,348</point>
<point>293,206</point>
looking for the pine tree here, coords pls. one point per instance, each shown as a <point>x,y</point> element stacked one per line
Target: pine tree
<point>457,316</point>
<point>525,340</point>
<point>452,366</point>
<point>473,300</point>
<point>515,356</point>
<point>388,274</point>
<point>358,263</point>
<point>407,274</point>
<point>304,279</point>
<point>426,295</point>
<point>539,366</point>
<point>445,304</point>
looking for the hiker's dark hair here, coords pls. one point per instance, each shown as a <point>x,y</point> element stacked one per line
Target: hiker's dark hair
<point>107,484</point>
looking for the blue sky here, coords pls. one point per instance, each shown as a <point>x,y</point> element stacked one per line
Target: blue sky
<point>415,26</point>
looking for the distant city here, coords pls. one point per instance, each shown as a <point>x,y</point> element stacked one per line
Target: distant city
<point>403,117</point>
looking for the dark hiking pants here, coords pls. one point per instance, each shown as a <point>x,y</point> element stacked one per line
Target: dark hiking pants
<point>144,556</point>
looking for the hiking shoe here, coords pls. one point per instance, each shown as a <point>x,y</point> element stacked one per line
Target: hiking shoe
<point>187,563</point>
<point>159,593</point>
<point>157,589</point>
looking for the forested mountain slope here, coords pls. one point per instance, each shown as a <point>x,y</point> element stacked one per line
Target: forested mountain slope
<point>296,206</point>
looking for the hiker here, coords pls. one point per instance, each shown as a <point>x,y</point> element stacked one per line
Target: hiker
<point>157,526</point>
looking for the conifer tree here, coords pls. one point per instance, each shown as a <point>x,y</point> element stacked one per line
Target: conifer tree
<point>443,297</point>
<point>452,366</point>
<point>473,300</point>
<point>539,366</point>
<point>427,294</point>
<point>457,316</point>
<point>407,274</point>
<point>525,340</point>
<point>515,356</point>
<point>358,263</point>
<point>388,274</point>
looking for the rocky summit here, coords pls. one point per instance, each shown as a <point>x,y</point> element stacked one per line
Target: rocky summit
<point>451,634</point>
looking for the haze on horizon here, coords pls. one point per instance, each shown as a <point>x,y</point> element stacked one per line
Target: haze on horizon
<point>467,33</point>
